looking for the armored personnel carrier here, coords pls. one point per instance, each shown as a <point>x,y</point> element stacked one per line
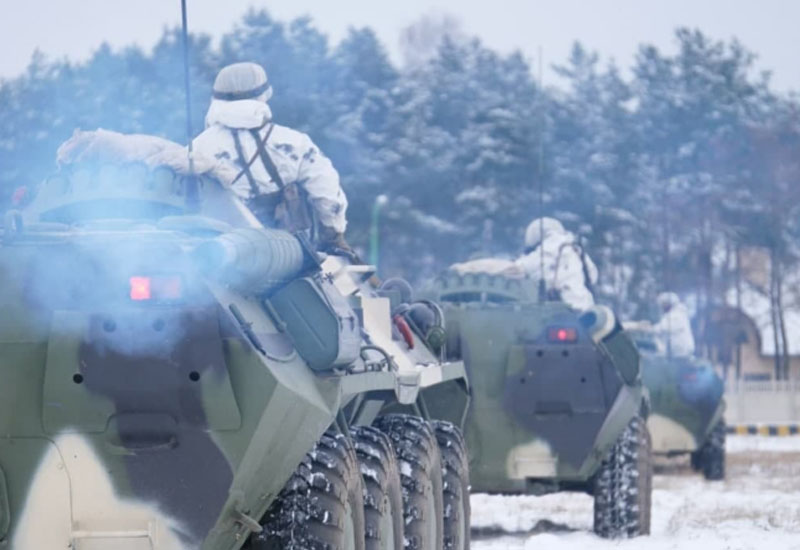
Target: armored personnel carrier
<point>176,376</point>
<point>687,407</point>
<point>557,398</point>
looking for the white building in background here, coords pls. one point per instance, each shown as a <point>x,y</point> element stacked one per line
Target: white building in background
<point>745,337</point>
<point>745,351</point>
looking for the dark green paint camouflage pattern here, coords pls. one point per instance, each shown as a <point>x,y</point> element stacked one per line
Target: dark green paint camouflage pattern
<point>543,414</point>
<point>172,423</point>
<point>686,397</point>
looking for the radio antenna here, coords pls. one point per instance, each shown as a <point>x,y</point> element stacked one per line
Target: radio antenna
<point>192,186</point>
<point>187,82</point>
<point>540,170</point>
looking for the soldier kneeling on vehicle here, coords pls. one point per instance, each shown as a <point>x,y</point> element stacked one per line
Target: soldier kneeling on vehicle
<point>553,255</point>
<point>283,177</point>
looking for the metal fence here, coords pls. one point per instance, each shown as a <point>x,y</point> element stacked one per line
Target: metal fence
<point>748,386</point>
<point>762,402</point>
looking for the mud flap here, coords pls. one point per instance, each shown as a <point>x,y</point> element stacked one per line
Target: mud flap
<point>559,394</point>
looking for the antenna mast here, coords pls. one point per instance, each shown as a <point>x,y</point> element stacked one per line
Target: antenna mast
<point>187,84</point>
<point>540,169</point>
<point>192,185</point>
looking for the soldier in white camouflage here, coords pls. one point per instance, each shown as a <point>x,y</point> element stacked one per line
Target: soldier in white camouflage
<point>569,273</point>
<point>278,171</point>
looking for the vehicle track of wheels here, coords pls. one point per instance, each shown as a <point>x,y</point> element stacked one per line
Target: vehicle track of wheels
<point>455,475</point>
<point>321,506</point>
<point>623,486</point>
<point>418,457</point>
<point>694,460</point>
<point>383,494</point>
<point>710,458</point>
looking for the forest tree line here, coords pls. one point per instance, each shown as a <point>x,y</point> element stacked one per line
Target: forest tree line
<point>667,171</point>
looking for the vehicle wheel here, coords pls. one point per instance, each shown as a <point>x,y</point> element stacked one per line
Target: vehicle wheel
<point>623,486</point>
<point>322,505</point>
<point>383,495</point>
<point>711,456</point>
<point>455,473</point>
<point>420,465</point>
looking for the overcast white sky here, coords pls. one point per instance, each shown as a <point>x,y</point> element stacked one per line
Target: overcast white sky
<point>74,28</point>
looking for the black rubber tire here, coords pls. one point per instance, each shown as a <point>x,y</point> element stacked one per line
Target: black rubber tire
<point>710,457</point>
<point>420,464</point>
<point>383,494</point>
<point>623,487</point>
<point>694,460</point>
<point>322,505</point>
<point>455,473</point>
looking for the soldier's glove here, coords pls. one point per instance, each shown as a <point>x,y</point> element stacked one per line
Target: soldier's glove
<point>333,242</point>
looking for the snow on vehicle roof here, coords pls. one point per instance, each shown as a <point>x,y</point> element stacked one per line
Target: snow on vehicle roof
<point>105,146</point>
<point>490,266</point>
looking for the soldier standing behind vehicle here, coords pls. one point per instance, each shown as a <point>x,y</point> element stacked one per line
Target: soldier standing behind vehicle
<point>284,178</point>
<point>568,272</point>
<point>674,330</point>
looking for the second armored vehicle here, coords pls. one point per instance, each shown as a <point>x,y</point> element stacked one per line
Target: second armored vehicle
<point>687,407</point>
<point>558,402</point>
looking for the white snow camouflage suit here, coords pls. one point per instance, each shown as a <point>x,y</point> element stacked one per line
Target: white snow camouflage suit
<point>294,155</point>
<point>563,268</point>
<point>674,330</point>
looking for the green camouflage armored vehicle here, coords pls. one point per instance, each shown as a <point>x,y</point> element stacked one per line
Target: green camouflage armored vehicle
<point>687,407</point>
<point>557,398</point>
<point>177,377</point>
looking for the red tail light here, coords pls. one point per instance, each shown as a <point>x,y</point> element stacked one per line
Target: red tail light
<point>140,288</point>
<point>166,288</point>
<point>562,334</point>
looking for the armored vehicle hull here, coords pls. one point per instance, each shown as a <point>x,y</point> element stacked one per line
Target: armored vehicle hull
<point>557,398</point>
<point>687,408</point>
<point>176,377</point>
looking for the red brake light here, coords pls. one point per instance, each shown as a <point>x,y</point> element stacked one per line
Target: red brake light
<point>562,334</point>
<point>161,288</point>
<point>140,288</point>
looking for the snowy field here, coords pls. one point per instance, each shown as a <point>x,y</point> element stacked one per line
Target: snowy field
<point>757,507</point>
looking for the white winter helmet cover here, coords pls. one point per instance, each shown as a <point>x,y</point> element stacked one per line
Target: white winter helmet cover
<point>242,81</point>
<point>540,228</point>
<point>667,300</point>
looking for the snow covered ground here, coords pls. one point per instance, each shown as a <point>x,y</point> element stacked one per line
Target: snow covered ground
<point>757,507</point>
